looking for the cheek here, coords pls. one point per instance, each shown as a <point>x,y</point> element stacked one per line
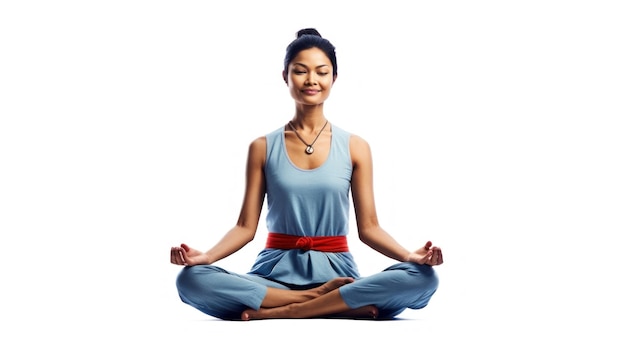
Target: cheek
<point>294,80</point>
<point>328,83</point>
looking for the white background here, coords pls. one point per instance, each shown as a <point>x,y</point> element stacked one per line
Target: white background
<point>496,127</point>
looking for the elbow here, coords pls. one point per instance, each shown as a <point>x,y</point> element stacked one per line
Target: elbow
<point>365,236</point>
<point>250,237</point>
<point>246,233</point>
<point>367,230</point>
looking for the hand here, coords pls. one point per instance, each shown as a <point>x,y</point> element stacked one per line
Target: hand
<point>186,256</point>
<point>428,254</point>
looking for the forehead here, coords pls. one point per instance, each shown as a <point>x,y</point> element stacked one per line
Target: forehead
<point>311,57</point>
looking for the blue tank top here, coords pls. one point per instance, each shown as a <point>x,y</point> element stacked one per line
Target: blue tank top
<point>305,202</point>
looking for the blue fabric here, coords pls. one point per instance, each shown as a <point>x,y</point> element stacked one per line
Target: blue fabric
<point>401,286</point>
<point>220,293</point>
<point>307,203</point>
<point>226,295</point>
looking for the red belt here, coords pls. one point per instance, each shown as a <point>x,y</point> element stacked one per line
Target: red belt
<point>317,243</point>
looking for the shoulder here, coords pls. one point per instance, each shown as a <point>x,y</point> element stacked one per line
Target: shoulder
<point>258,147</point>
<point>256,150</point>
<point>358,141</point>
<point>359,150</point>
<point>354,139</point>
<point>359,147</point>
<point>259,142</point>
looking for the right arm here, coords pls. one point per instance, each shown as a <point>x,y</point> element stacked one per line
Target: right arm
<point>243,232</point>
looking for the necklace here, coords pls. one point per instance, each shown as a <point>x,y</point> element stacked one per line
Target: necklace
<point>309,147</point>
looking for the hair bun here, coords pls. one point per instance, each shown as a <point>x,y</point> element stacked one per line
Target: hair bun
<point>308,31</point>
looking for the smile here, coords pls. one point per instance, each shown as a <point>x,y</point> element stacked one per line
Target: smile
<point>310,91</point>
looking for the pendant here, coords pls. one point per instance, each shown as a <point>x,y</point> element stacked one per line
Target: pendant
<point>309,149</point>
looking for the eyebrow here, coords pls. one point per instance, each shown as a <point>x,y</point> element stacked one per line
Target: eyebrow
<point>305,66</point>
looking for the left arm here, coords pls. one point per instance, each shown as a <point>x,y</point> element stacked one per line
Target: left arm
<point>370,231</point>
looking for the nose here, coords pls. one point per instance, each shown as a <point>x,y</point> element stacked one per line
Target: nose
<point>310,79</point>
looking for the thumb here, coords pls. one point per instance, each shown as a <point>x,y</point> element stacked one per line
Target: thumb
<point>428,245</point>
<point>185,247</point>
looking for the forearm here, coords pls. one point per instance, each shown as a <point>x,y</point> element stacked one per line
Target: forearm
<point>379,240</point>
<point>233,241</point>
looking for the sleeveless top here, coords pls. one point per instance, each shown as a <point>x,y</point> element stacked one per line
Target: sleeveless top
<point>306,202</point>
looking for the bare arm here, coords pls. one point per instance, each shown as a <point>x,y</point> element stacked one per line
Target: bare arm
<point>244,230</point>
<point>369,229</point>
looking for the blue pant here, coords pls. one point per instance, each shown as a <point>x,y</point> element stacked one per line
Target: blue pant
<point>226,295</point>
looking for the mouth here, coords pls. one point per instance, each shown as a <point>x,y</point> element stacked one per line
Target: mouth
<point>310,91</point>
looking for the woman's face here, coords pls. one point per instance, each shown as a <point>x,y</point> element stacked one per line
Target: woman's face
<point>310,77</point>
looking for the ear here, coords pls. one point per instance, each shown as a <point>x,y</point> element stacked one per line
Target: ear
<point>334,78</point>
<point>285,77</point>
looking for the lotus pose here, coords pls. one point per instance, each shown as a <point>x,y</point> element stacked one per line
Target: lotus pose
<point>306,170</point>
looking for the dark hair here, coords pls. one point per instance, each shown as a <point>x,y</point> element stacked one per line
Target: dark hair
<point>310,38</point>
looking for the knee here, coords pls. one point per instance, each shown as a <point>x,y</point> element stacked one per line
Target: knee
<point>430,278</point>
<point>426,278</point>
<point>194,278</point>
<point>186,277</point>
<point>417,276</point>
<point>425,283</point>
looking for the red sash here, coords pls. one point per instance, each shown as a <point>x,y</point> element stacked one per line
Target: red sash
<point>317,243</point>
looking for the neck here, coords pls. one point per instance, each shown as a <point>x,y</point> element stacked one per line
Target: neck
<point>309,117</point>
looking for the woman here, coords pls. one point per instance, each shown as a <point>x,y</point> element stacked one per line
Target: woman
<point>307,169</point>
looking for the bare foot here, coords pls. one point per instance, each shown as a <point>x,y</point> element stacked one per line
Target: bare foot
<point>266,313</point>
<point>365,312</point>
<point>301,308</point>
<point>332,285</point>
<point>324,288</point>
<point>291,311</point>
<point>282,297</point>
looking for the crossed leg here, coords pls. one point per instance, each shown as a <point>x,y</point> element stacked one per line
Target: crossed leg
<point>330,304</point>
<point>276,297</point>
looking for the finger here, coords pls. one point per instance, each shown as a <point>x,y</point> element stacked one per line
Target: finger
<point>174,255</point>
<point>428,257</point>
<point>177,256</point>
<point>428,245</point>
<point>432,259</point>
<point>437,257</point>
<point>183,257</point>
